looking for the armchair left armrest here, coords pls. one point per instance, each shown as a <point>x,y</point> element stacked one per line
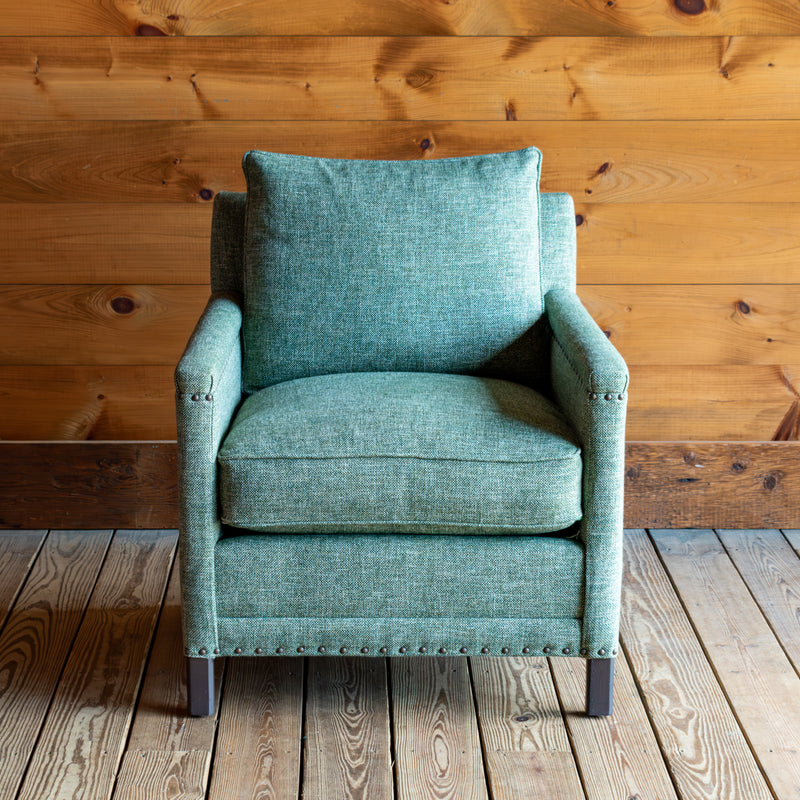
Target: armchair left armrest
<point>590,382</point>
<point>208,383</point>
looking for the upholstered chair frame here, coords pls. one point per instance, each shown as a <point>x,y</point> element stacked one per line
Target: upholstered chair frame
<point>588,381</point>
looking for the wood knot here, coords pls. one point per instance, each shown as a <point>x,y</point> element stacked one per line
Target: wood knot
<point>579,220</point>
<point>511,112</point>
<point>771,480</point>
<point>419,78</point>
<point>690,7</point>
<point>742,307</point>
<point>603,168</point>
<point>149,30</point>
<point>206,194</point>
<point>123,305</point>
<point>689,458</point>
<point>737,466</point>
<point>632,473</point>
<point>425,144</point>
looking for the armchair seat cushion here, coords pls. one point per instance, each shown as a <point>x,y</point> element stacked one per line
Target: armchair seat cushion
<point>400,452</point>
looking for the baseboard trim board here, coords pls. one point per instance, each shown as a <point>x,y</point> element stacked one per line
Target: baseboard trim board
<point>103,484</point>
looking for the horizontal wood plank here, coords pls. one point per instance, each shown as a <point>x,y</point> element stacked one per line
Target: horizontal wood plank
<point>718,406</point>
<point>130,484</point>
<point>688,243</point>
<point>137,402</point>
<point>101,243</point>
<point>127,324</point>
<point>374,78</point>
<point>667,484</point>
<point>697,325</point>
<point>95,324</point>
<point>673,485</point>
<point>131,161</point>
<point>637,243</point>
<point>76,402</point>
<point>411,17</point>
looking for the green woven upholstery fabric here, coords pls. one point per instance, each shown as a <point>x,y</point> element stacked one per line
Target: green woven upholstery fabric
<point>372,266</point>
<point>403,576</point>
<point>400,452</point>
<point>208,382</point>
<point>590,384</point>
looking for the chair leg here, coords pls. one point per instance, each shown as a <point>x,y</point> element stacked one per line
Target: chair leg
<point>600,687</point>
<point>200,686</point>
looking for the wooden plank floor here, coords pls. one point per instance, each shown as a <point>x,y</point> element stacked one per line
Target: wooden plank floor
<point>707,700</point>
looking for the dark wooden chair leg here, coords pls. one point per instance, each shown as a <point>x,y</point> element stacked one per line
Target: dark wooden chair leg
<point>200,686</point>
<point>600,687</point>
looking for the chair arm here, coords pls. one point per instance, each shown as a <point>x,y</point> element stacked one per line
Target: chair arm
<point>589,382</point>
<point>208,380</point>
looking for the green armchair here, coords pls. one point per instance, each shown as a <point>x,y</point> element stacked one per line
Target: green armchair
<point>400,433</point>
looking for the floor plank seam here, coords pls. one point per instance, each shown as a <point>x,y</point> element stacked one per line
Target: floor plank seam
<point>713,668</point>
<point>57,682</point>
<point>215,737</point>
<point>303,730</point>
<point>765,617</point>
<point>13,600</point>
<point>392,732</point>
<point>481,739</point>
<point>650,719</point>
<point>146,662</point>
<point>572,746</point>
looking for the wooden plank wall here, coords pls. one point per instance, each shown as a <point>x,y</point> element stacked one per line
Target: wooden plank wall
<point>673,123</point>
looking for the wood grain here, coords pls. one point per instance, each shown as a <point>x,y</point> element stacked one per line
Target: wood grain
<point>17,552</point>
<point>688,243</point>
<point>713,325</point>
<point>137,402</point>
<point>258,747</point>
<point>161,723</point>
<point>757,677</point>
<point>61,325</point>
<point>771,570</point>
<point>631,765</point>
<point>678,483</point>
<point>667,484</point>
<point>93,402</point>
<point>437,750</point>
<point>37,640</point>
<point>708,325</point>
<point>410,17</point>
<point>347,742</point>
<point>101,243</point>
<point>524,740</point>
<point>143,243</point>
<point>372,78</point>
<point>171,775</point>
<point>726,403</point>
<point>707,754</point>
<point>134,161</point>
<point>83,737</point>
<point>131,484</point>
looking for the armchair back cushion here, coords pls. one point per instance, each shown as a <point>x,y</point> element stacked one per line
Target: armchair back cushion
<point>370,266</point>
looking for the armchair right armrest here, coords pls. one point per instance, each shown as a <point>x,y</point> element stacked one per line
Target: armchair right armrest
<point>589,381</point>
